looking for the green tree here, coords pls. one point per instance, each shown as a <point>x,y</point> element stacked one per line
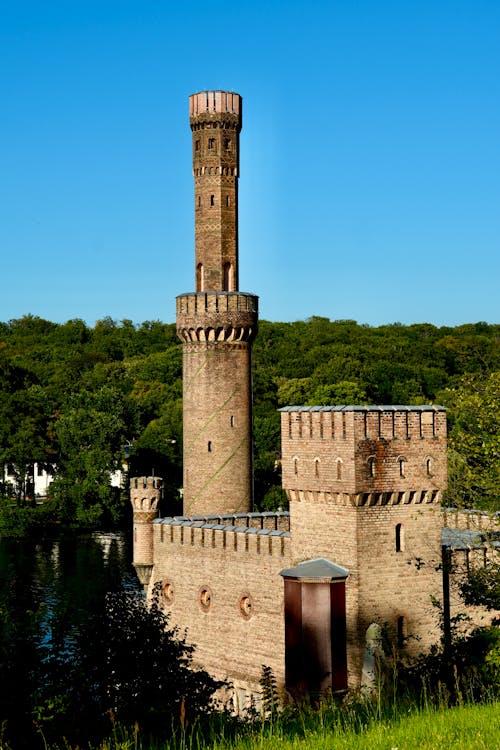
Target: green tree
<point>474,441</point>
<point>92,432</point>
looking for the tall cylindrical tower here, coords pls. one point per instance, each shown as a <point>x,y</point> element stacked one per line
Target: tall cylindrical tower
<point>217,323</point>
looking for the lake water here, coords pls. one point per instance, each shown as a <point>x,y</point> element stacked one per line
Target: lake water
<point>64,578</point>
<point>49,588</point>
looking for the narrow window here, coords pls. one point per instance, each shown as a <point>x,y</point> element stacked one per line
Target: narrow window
<point>296,466</point>
<point>199,201</point>
<point>401,463</point>
<point>339,468</point>
<point>200,279</point>
<point>227,144</point>
<point>212,200</point>
<point>197,145</point>
<point>228,277</point>
<point>211,144</point>
<point>371,466</point>
<point>39,470</point>
<point>231,421</point>
<point>316,467</point>
<point>209,446</point>
<point>228,200</point>
<point>428,466</point>
<point>399,537</point>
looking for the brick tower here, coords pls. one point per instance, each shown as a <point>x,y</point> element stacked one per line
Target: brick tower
<point>145,495</point>
<point>217,323</point>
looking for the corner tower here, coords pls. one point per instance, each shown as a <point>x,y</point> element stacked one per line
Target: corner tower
<point>217,323</point>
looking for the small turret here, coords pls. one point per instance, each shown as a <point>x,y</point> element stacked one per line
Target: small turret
<point>145,493</point>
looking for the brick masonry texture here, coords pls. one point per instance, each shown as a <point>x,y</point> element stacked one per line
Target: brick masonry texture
<point>216,324</point>
<point>364,483</point>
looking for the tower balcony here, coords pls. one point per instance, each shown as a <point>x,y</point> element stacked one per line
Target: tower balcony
<point>217,316</point>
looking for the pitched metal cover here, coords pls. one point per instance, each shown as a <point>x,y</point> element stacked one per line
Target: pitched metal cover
<point>318,570</point>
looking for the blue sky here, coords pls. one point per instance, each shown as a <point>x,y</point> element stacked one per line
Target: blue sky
<point>370,156</point>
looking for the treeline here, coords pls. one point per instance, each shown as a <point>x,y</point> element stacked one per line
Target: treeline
<point>83,399</point>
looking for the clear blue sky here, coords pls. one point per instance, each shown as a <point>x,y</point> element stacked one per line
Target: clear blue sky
<point>370,156</point>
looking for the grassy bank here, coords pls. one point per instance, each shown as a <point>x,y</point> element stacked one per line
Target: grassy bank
<point>470,727</point>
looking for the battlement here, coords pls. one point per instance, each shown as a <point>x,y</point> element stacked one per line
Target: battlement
<point>363,449</point>
<point>215,102</point>
<point>145,493</point>
<point>254,533</point>
<point>364,422</point>
<point>217,316</point>
<point>473,520</point>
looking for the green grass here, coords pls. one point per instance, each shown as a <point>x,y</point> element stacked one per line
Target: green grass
<point>470,727</point>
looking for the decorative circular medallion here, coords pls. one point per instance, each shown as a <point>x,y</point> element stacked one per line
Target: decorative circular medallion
<point>167,593</point>
<point>246,606</point>
<point>205,599</point>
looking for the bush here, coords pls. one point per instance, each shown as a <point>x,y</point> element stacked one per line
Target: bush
<point>126,664</point>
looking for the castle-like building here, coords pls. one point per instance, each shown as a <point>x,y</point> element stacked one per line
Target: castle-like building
<point>295,591</point>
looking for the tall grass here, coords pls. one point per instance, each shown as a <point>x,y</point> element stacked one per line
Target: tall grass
<point>361,725</point>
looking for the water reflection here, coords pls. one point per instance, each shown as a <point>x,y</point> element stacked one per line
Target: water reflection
<point>49,590</point>
<point>65,579</point>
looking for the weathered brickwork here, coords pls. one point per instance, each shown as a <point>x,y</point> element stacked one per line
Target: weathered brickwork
<point>364,449</point>
<point>223,585</point>
<point>216,324</point>
<point>216,118</point>
<point>145,495</point>
<point>364,485</point>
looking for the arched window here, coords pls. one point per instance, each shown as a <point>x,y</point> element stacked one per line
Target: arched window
<point>372,466</point>
<point>200,279</point>
<point>339,468</point>
<point>228,277</point>
<point>400,541</point>
<point>209,446</point>
<point>401,462</point>
<point>296,466</point>
<point>428,466</point>
<point>316,467</point>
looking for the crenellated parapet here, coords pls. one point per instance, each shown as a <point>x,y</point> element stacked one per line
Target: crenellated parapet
<point>364,449</point>
<point>145,493</point>
<point>217,317</point>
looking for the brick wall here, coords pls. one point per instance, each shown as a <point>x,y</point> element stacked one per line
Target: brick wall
<point>223,585</point>
<point>364,449</point>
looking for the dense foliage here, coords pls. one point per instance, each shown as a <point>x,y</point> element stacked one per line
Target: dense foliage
<point>124,664</point>
<point>82,400</point>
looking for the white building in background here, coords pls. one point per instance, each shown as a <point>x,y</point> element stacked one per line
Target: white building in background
<point>37,479</point>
